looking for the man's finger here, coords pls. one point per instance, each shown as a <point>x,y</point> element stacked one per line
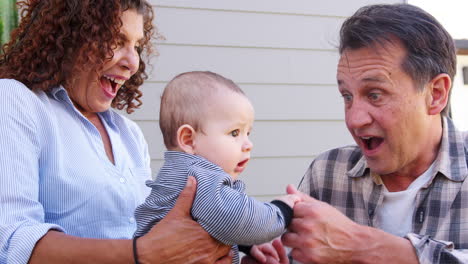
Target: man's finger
<point>185,200</point>
<point>290,239</point>
<point>297,254</point>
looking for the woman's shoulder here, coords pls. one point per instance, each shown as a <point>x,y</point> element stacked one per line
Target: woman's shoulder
<point>22,107</point>
<point>12,84</point>
<point>11,89</point>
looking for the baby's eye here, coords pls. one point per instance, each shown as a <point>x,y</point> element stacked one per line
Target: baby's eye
<point>235,133</point>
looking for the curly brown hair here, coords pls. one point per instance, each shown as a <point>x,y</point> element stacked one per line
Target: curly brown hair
<point>54,36</point>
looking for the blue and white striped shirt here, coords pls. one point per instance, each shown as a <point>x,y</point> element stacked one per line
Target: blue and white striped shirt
<point>221,207</point>
<point>55,174</point>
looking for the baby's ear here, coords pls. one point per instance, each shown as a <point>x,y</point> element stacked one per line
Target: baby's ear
<point>185,138</point>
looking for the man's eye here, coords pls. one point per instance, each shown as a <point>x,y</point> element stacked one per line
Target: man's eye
<point>347,97</point>
<point>374,96</point>
<point>235,133</point>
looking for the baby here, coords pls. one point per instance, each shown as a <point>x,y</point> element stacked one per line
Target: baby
<point>206,120</point>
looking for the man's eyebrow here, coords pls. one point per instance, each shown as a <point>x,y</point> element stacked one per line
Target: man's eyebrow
<point>374,79</point>
<point>371,79</point>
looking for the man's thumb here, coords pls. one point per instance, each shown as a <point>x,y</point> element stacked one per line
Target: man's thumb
<point>185,200</point>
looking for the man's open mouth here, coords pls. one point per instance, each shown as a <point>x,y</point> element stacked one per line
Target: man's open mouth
<point>371,143</point>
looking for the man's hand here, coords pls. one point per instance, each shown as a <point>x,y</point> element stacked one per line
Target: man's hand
<point>319,233</point>
<point>179,239</point>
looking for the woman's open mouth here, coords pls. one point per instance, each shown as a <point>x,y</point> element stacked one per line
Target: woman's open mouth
<point>111,85</point>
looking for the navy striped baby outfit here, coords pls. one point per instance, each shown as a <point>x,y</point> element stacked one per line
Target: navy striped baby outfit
<point>221,207</point>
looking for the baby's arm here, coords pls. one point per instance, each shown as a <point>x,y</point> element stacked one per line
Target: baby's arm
<point>232,217</point>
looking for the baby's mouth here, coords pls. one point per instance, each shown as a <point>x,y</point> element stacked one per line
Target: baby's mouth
<point>242,163</point>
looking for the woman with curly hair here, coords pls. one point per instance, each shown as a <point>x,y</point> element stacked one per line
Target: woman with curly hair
<point>72,170</point>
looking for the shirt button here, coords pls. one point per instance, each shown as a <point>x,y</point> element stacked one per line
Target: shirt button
<point>131,220</point>
<point>122,180</point>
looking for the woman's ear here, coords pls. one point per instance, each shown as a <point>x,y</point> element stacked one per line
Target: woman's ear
<point>439,89</point>
<point>185,138</point>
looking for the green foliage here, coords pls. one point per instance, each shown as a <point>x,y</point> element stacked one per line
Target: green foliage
<point>8,19</point>
<point>1,30</point>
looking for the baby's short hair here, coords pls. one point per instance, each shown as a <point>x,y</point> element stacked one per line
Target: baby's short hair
<point>185,100</point>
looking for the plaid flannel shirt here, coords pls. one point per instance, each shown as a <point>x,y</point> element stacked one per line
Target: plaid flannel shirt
<point>439,234</point>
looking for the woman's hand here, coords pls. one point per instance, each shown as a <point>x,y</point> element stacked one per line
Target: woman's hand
<point>179,239</point>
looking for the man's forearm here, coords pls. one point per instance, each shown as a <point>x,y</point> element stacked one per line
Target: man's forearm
<point>376,246</point>
<point>57,247</point>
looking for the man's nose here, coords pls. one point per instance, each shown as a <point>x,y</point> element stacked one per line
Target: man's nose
<point>358,115</point>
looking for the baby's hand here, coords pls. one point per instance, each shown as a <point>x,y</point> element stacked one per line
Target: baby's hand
<point>271,253</point>
<point>260,252</point>
<point>290,199</point>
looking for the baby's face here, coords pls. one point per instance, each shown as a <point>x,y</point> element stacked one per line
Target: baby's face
<point>225,136</point>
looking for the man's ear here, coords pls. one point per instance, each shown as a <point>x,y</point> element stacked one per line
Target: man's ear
<point>185,138</point>
<point>439,90</point>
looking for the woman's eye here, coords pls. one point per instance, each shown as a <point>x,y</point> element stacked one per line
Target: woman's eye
<point>235,133</point>
<point>120,43</point>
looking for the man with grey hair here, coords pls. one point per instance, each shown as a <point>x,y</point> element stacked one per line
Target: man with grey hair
<point>399,195</point>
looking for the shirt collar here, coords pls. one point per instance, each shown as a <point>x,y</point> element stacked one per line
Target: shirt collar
<point>59,93</point>
<point>451,160</point>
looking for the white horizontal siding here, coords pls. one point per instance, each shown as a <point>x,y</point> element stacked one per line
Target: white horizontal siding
<point>204,27</point>
<point>459,95</point>
<point>248,65</point>
<point>298,7</point>
<point>304,102</point>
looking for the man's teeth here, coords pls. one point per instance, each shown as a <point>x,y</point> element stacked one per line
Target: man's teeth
<point>366,138</point>
<point>118,81</point>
